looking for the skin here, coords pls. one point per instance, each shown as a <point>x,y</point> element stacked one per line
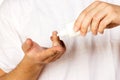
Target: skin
<point>98,16</point>
<point>35,59</point>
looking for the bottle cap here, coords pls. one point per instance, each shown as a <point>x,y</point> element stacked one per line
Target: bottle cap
<point>68,30</point>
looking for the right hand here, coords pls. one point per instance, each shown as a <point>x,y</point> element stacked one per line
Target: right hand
<point>98,17</point>
<point>43,55</point>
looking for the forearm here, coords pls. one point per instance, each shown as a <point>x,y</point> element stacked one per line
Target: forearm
<point>26,70</point>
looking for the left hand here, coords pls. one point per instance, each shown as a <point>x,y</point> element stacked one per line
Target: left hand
<point>43,55</point>
<point>98,16</point>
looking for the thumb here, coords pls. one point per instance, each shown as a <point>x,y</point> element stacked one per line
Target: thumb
<point>55,39</point>
<point>27,45</point>
<point>49,53</point>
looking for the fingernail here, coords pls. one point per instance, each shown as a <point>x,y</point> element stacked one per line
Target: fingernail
<point>82,34</point>
<point>75,28</point>
<point>94,33</point>
<point>28,41</point>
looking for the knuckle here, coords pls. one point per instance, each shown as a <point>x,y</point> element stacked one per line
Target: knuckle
<point>39,57</point>
<point>104,3</point>
<point>110,8</point>
<point>114,17</point>
<point>96,18</point>
<point>97,2</point>
<point>90,15</point>
<point>84,12</point>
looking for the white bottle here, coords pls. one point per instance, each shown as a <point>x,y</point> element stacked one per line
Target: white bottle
<point>68,31</point>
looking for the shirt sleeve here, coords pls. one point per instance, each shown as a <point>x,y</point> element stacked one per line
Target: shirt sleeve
<point>10,45</point>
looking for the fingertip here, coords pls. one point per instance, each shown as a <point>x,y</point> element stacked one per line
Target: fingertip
<point>27,45</point>
<point>54,36</point>
<point>101,32</point>
<point>76,28</point>
<point>94,33</point>
<point>28,41</point>
<point>54,33</point>
<point>83,32</point>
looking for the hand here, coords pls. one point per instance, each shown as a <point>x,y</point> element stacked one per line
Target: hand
<point>42,55</point>
<point>98,16</point>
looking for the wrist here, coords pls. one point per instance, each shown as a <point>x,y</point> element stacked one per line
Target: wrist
<point>29,67</point>
<point>25,70</point>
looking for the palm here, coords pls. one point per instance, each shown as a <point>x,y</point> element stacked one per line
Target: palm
<point>42,54</point>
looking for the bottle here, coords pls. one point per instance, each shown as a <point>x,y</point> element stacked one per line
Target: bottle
<point>68,31</point>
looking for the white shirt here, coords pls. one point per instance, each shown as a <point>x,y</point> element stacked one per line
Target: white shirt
<point>86,58</point>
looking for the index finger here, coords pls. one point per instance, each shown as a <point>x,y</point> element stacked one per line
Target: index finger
<point>55,39</point>
<point>81,17</point>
